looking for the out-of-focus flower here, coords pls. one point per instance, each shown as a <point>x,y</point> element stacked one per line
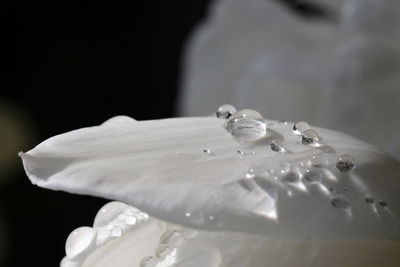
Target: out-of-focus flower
<point>241,191</point>
<point>340,71</point>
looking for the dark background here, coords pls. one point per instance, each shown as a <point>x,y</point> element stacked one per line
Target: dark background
<point>67,65</point>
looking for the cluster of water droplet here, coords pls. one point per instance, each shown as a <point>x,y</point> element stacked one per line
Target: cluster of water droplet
<point>112,221</point>
<point>170,240</point>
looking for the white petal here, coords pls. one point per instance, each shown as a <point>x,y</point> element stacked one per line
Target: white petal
<point>165,245</point>
<point>160,167</point>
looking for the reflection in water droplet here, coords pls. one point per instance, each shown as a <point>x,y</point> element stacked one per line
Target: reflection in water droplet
<point>108,212</point>
<point>340,203</point>
<point>369,199</point>
<point>80,241</point>
<point>246,125</point>
<point>225,111</point>
<point>383,203</point>
<point>300,127</point>
<point>313,176</point>
<point>346,163</point>
<point>291,177</point>
<point>172,238</point>
<point>310,137</point>
<point>147,261</point>
<point>276,147</point>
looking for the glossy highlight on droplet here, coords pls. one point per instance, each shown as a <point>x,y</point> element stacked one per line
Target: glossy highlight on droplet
<point>300,127</point>
<point>225,111</point>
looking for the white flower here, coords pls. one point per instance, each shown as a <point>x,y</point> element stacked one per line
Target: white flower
<point>211,192</point>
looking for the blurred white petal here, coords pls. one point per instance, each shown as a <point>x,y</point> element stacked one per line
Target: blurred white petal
<point>340,74</point>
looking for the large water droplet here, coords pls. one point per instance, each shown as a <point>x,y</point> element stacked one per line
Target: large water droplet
<point>80,242</point>
<point>225,111</point>
<point>340,203</point>
<point>172,238</point>
<point>108,212</point>
<point>246,125</point>
<point>346,163</point>
<point>313,176</point>
<point>310,137</point>
<point>300,127</point>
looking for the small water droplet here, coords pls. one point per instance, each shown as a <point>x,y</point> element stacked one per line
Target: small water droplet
<point>147,261</point>
<point>187,214</point>
<point>310,137</point>
<point>246,125</point>
<point>369,199</point>
<point>225,111</point>
<point>172,238</point>
<point>240,152</point>
<point>313,176</point>
<point>250,174</point>
<point>207,151</point>
<point>108,213</point>
<point>340,203</point>
<point>383,203</point>
<point>80,241</point>
<point>276,147</point>
<point>346,163</point>
<point>291,177</point>
<point>300,127</point>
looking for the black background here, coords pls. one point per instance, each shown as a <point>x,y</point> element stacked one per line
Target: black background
<point>75,64</point>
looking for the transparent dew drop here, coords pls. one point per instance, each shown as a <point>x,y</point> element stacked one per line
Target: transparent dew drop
<point>369,199</point>
<point>172,238</point>
<point>207,151</point>
<point>225,111</point>
<point>346,163</point>
<point>383,203</point>
<point>80,242</point>
<point>276,147</point>
<point>291,177</point>
<point>313,176</point>
<point>147,261</point>
<point>108,213</point>
<point>300,127</point>
<point>246,125</point>
<point>310,137</point>
<point>340,203</point>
